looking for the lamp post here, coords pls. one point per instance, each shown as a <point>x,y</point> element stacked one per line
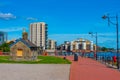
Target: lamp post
<point>117,32</point>
<point>95,54</point>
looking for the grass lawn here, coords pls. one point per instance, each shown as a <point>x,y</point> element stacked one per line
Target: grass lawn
<point>41,60</point>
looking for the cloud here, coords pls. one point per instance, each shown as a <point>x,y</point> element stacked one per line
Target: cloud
<point>13,29</point>
<point>7,16</point>
<point>31,18</point>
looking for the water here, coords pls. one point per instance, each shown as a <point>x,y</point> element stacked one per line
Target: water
<point>100,55</point>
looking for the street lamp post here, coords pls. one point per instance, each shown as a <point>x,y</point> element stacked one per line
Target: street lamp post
<point>96,43</point>
<point>117,32</point>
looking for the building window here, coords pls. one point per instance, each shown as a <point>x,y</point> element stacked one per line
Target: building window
<point>87,47</point>
<point>80,46</point>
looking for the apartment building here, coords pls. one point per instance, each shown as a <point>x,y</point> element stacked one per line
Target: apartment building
<point>82,44</point>
<point>3,37</point>
<point>38,34</point>
<point>51,44</point>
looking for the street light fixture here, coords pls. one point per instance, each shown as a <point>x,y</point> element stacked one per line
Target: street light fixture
<point>117,32</point>
<point>95,54</point>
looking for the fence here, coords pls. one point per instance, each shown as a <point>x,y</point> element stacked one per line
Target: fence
<point>4,53</point>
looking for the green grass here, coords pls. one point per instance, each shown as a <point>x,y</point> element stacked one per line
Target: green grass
<point>40,60</point>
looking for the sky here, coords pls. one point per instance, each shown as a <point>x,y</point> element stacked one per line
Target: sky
<point>67,19</point>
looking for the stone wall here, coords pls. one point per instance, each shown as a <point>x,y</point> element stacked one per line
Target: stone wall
<point>27,53</point>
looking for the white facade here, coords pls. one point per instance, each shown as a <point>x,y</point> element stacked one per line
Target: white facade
<point>91,45</point>
<point>71,46</point>
<point>38,34</point>
<point>66,46</point>
<point>77,45</point>
<point>51,44</point>
<point>82,44</point>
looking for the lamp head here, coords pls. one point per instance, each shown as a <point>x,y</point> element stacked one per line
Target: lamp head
<point>104,17</point>
<point>90,33</point>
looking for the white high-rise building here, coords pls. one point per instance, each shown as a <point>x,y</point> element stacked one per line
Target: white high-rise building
<point>38,34</point>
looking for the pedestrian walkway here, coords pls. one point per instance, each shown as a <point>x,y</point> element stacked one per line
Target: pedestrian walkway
<point>88,69</point>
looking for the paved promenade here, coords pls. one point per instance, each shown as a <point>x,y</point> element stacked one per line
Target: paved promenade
<point>34,71</point>
<point>88,69</point>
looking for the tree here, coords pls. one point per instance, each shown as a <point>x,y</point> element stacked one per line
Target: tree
<point>104,49</point>
<point>5,47</point>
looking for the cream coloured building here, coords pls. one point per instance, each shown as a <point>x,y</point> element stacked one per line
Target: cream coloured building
<point>38,34</point>
<point>51,44</point>
<point>82,44</point>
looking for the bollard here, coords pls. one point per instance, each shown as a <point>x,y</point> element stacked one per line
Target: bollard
<point>75,57</point>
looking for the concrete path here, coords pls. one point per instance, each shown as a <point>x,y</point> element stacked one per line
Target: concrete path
<point>88,69</point>
<point>34,71</point>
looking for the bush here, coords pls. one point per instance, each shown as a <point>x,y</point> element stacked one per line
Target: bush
<point>5,47</point>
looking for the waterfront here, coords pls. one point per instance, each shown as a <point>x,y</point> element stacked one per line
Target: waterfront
<point>104,57</point>
<point>91,54</point>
